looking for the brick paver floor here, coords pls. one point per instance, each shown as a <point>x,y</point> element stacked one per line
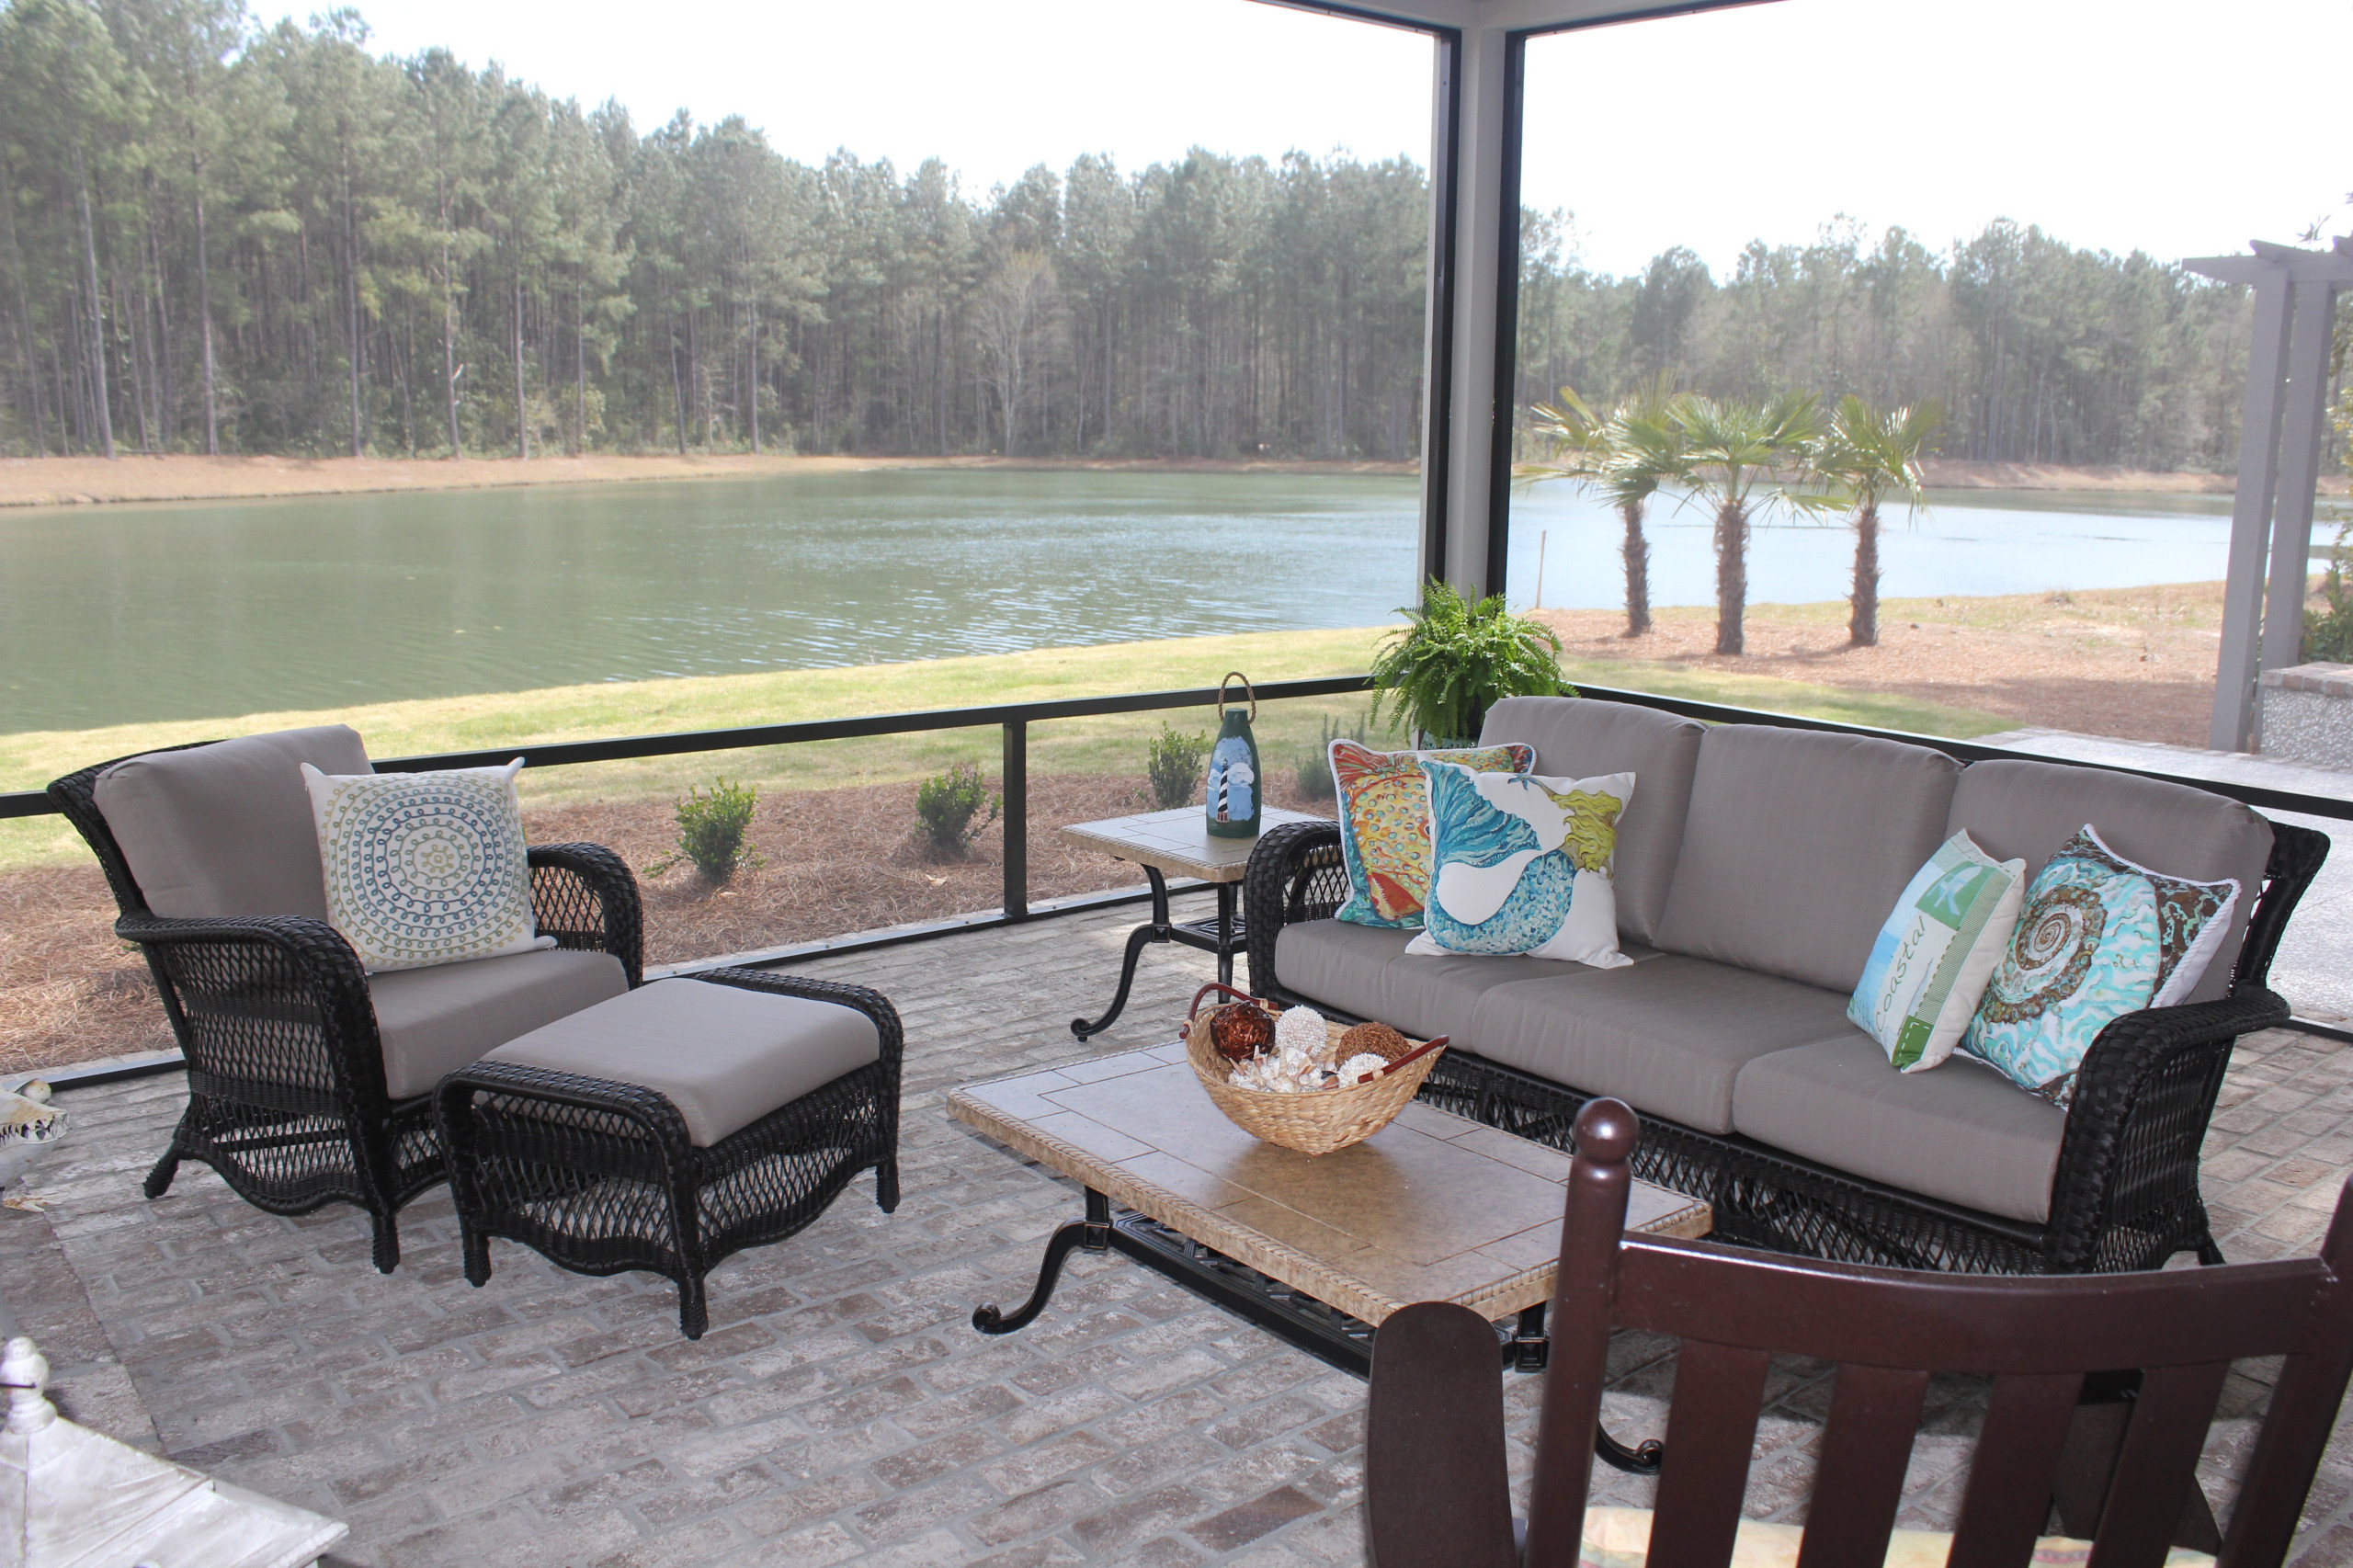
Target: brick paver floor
<point>841,1408</point>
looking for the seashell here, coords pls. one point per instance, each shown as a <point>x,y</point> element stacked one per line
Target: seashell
<point>1240,1031</point>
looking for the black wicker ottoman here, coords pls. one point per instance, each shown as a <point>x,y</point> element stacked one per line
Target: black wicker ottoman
<point>674,1124</point>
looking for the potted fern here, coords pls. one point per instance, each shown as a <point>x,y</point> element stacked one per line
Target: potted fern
<point>1455,659</point>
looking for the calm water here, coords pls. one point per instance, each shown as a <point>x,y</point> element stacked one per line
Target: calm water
<point>208,610</point>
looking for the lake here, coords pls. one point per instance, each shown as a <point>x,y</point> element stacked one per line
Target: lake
<point>190,610</point>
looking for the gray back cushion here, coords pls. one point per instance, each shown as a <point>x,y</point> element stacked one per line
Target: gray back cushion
<point>1797,846</point>
<point>225,830</point>
<point>1576,737</point>
<point>2028,809</point>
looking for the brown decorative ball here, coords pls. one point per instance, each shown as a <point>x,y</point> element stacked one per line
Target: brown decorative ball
<point>1240,1031</point>
<point>1379,1039</point>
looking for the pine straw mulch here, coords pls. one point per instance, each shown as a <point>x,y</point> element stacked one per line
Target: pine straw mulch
<point>835,860</point>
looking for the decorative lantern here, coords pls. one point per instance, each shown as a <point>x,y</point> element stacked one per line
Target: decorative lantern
<point>1234,777</point>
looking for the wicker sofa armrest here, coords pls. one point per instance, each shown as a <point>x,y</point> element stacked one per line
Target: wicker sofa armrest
<point>274,1011</point>
<point>584,896</point>
<point>1295,874</point>
<point>2297,855</point>
<point>871,1003</point>
<point>2125,1195</point>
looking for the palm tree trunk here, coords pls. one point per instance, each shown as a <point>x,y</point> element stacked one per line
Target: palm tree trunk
<point>1637,553</point>
<point>1862,629</point>
<point>1732,574</point>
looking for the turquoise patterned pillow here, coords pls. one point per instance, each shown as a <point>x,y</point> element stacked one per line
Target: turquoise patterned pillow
<point>2100,937</point>
<point>1521,864</point>
<point>425,868</point>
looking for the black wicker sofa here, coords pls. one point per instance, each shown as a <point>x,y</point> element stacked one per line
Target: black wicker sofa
<point>1755,864</point>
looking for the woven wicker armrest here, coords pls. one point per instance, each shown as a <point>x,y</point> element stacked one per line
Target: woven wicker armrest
<point>863,999</point>
<point>1295,874</point>
<point>282,999</point>
<point>584,896</point>
<point>2125,1195</point>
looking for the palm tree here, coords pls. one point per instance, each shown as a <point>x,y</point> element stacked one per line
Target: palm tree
<point>1621,455</point>
<point>1746,458</point>
<point>1866,452</point>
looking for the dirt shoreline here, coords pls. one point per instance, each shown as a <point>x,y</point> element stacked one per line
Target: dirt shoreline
<point>63,482</point>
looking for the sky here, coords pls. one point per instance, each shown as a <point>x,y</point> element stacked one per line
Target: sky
<point>2119,124</point>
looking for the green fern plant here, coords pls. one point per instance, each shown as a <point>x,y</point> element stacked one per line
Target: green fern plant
<point>1455,659</point>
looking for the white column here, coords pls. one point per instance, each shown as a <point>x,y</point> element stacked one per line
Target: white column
<point>1478,183</point>
<point>2236,671</point>
<point>2304,415</point>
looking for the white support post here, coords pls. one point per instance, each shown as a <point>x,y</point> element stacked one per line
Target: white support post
<point>2304,415</point>
<point>2236,671</point>
<point>1478,229</point>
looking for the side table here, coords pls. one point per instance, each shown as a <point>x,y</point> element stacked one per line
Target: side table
<point>1175,841</point>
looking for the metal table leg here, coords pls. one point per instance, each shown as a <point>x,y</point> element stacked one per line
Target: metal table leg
<point>1154,930</point>
<point>1093,1233</point>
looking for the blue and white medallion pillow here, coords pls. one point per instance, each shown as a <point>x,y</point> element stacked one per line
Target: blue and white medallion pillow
<point>1521,864</point>
<point>425,868</point>
<point>2100,937</point>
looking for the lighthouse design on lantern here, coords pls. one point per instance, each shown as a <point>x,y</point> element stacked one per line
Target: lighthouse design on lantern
<point>1231,795</point>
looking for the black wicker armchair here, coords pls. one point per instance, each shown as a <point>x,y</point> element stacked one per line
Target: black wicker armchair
<point>288,1095</point>
<point>2125,1195</point>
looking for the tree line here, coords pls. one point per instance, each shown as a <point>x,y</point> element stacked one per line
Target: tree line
<point>221,237</point>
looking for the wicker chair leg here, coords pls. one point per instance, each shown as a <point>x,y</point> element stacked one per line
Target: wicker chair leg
<point>693,1313</point>
<point>886,1185</point>
<point>386,1249</point>
<point>2209,1253</point>
<point>476,1247</point>
<point>159,1180</point>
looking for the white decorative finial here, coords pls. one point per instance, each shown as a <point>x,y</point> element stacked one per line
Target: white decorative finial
<point>23,1372</point>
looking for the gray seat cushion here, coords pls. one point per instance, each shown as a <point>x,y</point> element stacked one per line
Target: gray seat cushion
<point>1962,1132</point>
<point>724,1055</point>
<point>1797,844</point>
<point>1575,737</point>
<point>433,1022</point>
<point>225,830</point>
<point>2029,809</point>
<point>1367,973</point>
<point>1668,1037</point>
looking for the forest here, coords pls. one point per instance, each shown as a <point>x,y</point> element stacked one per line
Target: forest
<point>219,238</point>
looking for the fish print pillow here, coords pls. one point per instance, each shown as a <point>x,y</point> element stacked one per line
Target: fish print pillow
<point>1385,825</point>
<point>2100,937</point>
<point>1521,864</point>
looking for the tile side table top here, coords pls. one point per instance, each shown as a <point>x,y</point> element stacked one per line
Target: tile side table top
<point>1434,1207</point>
<point>1177,841</point>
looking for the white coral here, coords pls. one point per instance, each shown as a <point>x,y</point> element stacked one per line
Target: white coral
<point>1357,1067</point>
<point>1300,1034</point>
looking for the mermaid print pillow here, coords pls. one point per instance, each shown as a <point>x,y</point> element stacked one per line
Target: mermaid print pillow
<point>2100,937</point>
<point>1521,864</point>
<point>1385,825</point>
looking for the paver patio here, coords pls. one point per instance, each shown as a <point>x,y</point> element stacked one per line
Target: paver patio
<point>842,1409</point>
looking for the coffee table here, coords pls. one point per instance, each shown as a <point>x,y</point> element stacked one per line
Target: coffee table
<point>1318,1249</point>
<point>1175,842</point>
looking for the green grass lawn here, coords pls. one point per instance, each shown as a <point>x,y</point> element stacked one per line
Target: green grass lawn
<point>1289,733</point>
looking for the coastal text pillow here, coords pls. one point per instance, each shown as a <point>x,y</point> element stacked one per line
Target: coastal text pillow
<point>425,868</point>
<point>1385,825</point>
<point>2100,937</point>
<point>1521,864</point>
<point>1929,966</point>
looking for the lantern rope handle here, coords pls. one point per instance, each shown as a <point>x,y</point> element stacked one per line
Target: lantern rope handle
<point>1247,690</point>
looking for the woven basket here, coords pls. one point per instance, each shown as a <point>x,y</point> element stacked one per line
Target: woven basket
<point>1316,1122</point>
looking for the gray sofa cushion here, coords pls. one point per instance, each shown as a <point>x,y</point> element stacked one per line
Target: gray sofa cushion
<point>1365,971</point>
<point>433,1022</point>
<point>1797,846</point>
<point>225,830</point>
<point>1578,738</point>
<point>724,1055</point>
<point>1964,1132</point>
<point>2029,809</point>
<point>1668,1037</point>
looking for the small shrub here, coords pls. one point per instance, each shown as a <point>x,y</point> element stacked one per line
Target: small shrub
<point>1314,776</point>
<point>2328,634</point>
<point>710,830</point>
<point>1174,766</point>
<point>947,803</point>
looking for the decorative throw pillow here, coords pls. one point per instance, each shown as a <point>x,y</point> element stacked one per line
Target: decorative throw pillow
<point>1521,864</point>
<point>2100,937</point>
<point>1385,825</point>
<point>425,868</point>
<point>1932,960</point>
